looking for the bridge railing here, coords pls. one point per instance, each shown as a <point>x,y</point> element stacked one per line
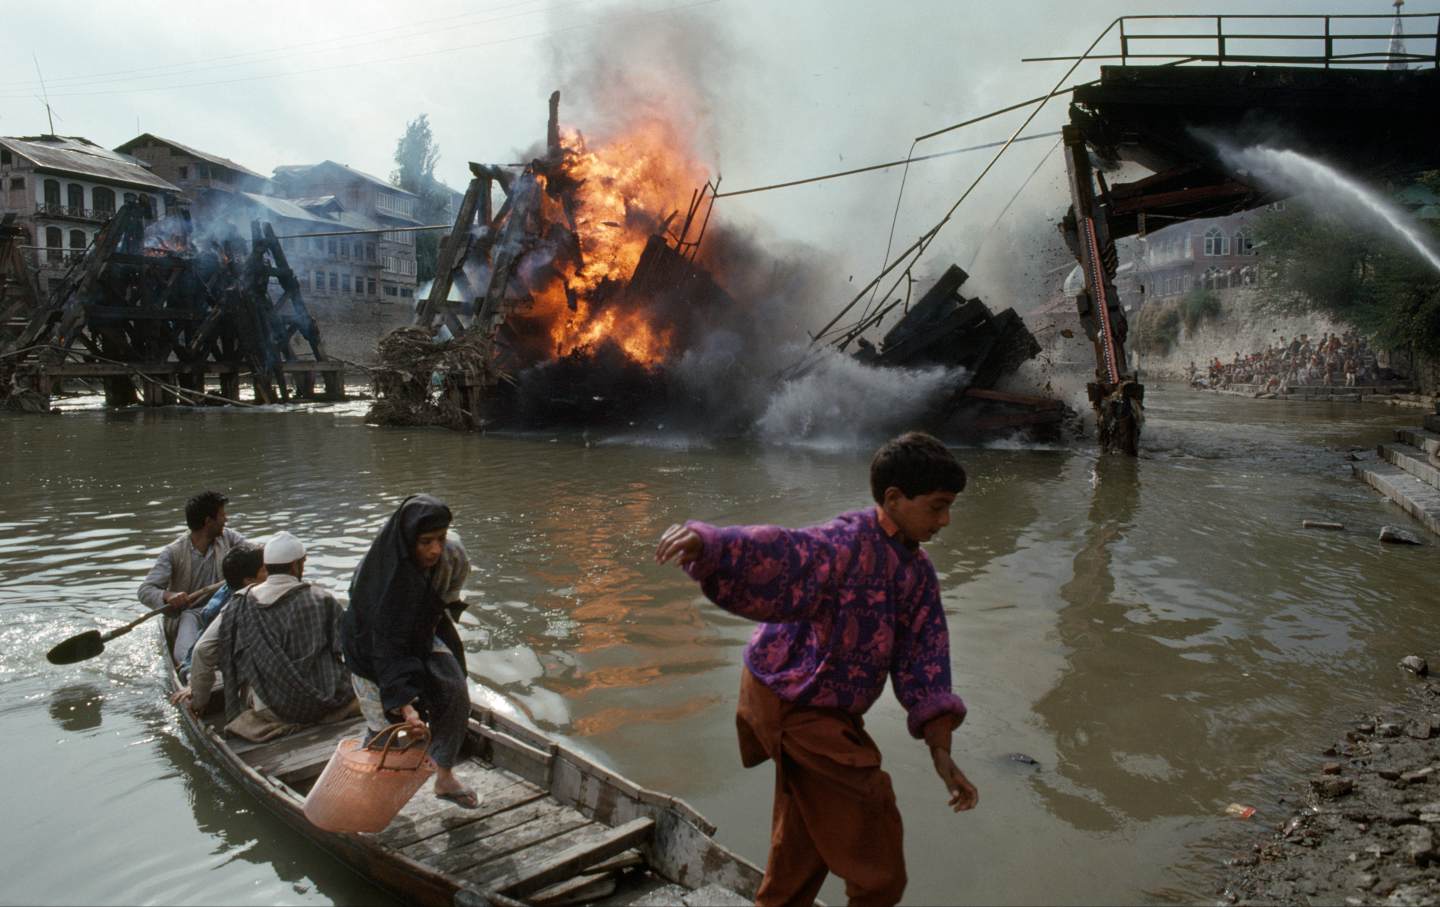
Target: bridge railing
<point>1291,40</point>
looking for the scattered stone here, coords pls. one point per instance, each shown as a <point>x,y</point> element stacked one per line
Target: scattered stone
<point>1366,880</point>
<point>1330,768</point>
<point>1331,788</point>
<point>1415,665</point>
<point>1397,536</point>
<point>1410,895</point>
<point>1330,751</point>
<point>1023,759</point>
<point>1320,524</point>
<point>1420,728</point>
<point>1419,844</point>
<point>1419,777</point>
<point>1366,727</point>
<point>1388,730</point>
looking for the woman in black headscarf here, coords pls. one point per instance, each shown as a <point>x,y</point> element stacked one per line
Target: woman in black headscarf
<point>405,657</point>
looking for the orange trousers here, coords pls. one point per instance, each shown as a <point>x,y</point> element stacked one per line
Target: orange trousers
<point>834,808</point>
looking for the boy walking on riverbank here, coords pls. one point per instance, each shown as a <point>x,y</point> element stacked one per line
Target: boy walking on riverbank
<point>842,606</point>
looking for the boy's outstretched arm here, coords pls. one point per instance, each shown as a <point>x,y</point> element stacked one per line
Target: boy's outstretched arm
<point>762,573</point>
<point>963,794</point>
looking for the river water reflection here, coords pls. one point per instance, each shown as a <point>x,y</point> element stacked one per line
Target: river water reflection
<point>1159,634</point>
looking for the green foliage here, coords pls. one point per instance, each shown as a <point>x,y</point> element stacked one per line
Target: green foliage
<point>416,155</point>
<point>1157,329</point>
<point>1377,282</point>
<point>1198,306</point>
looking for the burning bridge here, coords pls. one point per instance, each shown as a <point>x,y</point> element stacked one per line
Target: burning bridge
<point>152,317</point>
<point>1338,88</point>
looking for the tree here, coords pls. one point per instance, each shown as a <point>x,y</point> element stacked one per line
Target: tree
<point>1317,261</point>
<point>416,155</point>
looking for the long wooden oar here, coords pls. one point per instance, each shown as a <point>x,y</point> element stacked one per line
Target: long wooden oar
<point>92,642</point>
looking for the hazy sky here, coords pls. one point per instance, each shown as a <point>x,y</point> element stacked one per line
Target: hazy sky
<point>769,90</point>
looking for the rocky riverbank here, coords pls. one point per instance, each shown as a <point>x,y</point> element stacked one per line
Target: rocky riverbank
<point>1369,832</point>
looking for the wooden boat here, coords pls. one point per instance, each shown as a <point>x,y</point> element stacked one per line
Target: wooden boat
<point>553,828</point>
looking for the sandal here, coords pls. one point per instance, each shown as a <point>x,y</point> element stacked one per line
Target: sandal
<point>464,798</point>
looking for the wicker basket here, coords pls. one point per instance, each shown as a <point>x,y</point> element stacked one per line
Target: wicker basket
<point>365,785</point>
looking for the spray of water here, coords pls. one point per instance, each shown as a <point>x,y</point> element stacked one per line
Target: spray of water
<point>843,403</point>
<point>1294,173</point>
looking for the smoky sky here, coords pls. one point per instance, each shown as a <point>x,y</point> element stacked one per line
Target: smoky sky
<point>769,91</point>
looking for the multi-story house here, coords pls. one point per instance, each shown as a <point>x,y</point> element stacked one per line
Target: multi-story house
<point>209,182</point>
<point>62,189</point>
<point>383,262</point>
<point>1211,254</point>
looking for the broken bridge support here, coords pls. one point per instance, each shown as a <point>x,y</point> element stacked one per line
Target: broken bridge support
<point>1116,394</point>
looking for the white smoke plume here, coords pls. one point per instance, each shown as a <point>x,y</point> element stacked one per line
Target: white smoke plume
<point>844,403</point>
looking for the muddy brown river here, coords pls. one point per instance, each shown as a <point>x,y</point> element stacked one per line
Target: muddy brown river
<point>1160,635</point>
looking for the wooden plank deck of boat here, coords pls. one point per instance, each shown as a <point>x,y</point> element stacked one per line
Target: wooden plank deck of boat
<point>552,827</point>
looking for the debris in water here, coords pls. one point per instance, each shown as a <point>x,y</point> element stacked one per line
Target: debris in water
<point>1415,664</point>
<point>1396,536</point>
<point>1320,524</point>
<point>1239,810</point>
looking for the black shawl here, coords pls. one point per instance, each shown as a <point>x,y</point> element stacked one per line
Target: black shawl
<point>395,613</point>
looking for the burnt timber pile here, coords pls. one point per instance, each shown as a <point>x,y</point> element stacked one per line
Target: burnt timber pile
<point>949,330</point>
<point>1167,118</point>
<point>490,356</point>
<point>151,317</point>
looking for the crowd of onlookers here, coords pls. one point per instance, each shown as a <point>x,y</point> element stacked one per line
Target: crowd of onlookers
<point>1334,360</point>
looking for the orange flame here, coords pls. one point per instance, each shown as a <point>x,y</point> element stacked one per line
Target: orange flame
<point>626,188</point>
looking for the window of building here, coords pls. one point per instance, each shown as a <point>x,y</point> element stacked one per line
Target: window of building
<point>370,252</point>
<point>1244,242</point>
<point>334,249</point>
<point>103,199</point>
<point>359,250</point>
<point>78,240</point>
<point>371,286</point>
<point>5,157</point>
<point>52,193</point>
<point>184,172</point>
<point>54,241</point>
<point>1216,242</point>
<point>334,281</point>
<point>390,290</point>
<point>406,293</point>
<point>17,182</point>
<point>1249,276</point>
<point>345,282</point>
<point>75,198</point>
<point>202,171</point>
<point>319,280</point>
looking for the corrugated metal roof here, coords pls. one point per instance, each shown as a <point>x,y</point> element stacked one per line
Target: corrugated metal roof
<point>202,155</point>
<point>298,169</point>
<point>81,157</point>
<point>317,201</point>
<point>287,209</point>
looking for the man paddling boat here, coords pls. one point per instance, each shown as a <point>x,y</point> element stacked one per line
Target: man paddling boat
<point>188,570</point>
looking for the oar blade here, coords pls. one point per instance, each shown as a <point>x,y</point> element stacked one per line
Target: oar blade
<point>77,648</point>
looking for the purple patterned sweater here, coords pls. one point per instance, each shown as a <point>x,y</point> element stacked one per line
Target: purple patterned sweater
<point>841,605</point>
